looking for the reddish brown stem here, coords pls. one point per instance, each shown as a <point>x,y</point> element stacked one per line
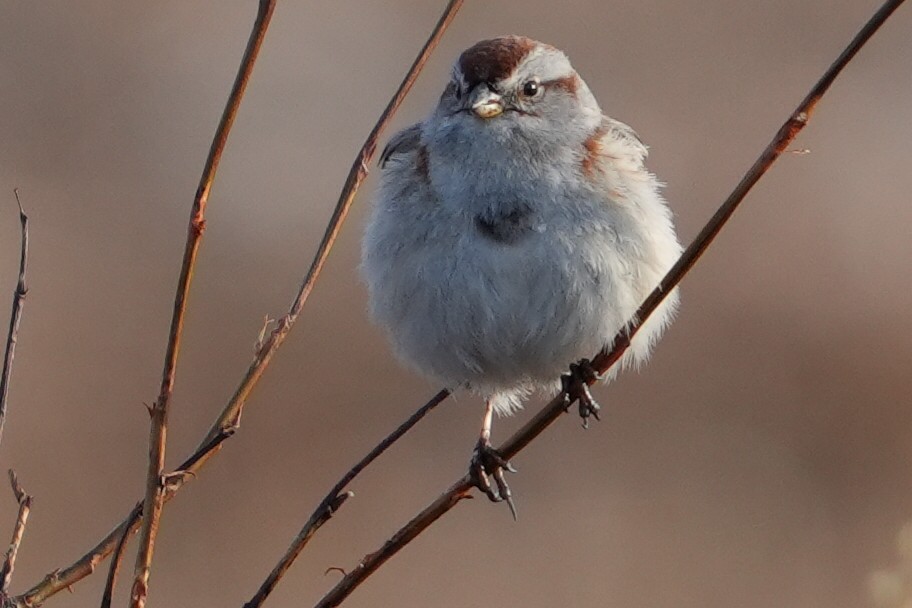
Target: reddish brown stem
<point>152,504</point>
<point>356,175</point>
<point>9,561</point>
<point>228,420</point>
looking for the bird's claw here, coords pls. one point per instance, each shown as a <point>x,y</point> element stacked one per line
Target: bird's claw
<point>488,464</point>
<point>576,388</point>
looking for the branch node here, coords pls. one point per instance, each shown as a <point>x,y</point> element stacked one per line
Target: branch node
<point>9,561</point>
<point>338,501</point>
<point>175,479</point>
<point>17,488</point>
<point>198,225</point>
<point>261,337</point>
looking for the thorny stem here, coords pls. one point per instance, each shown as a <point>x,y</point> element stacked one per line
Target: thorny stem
<point>229,419</point>
<point>607,357</point>
<point>152,504</point>
<point>356,176</point>
<point>16,315</point>
<point>9,561</point>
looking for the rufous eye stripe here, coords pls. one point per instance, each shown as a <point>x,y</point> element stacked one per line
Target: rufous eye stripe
<point>568,83</point>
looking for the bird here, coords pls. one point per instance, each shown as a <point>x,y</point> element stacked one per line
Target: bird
<point>514,232</point>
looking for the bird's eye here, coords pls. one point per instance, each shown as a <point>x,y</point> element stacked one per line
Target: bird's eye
<point>531,88</point>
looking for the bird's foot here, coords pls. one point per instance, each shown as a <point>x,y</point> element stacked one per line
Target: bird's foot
<point>487,464</point>
<point>576,388</point>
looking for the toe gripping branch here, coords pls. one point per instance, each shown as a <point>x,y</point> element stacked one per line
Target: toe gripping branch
<point>576,388</point>
<point>488,464</point>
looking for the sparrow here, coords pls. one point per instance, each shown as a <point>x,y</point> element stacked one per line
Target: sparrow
<point>514,232</point>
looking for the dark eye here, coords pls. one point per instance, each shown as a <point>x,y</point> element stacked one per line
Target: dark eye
<point>531,88</point>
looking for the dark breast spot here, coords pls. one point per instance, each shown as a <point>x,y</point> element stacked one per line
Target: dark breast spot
<point>494,59</point>
<point>505,226</point>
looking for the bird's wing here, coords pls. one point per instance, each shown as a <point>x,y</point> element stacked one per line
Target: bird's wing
<point>404,141</point>
<point>620,141</point>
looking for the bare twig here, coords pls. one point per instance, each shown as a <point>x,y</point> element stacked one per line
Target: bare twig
<point>152,504</point>
<point>9,562</point>
<point>607,357</point>
<point>228,420</point>
<point>356,176</point>
<point>15,316</point>
<point>334,500</point>
<point>117,559</point>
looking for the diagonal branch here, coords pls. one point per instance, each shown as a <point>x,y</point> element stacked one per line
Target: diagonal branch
<point>334,499</point>
<point>16,316</point>
<point>356,176</point>
<point>152,505</point>
<point>229,419</point>
<point>607,357</point>
<point>9,561</point>
<point>117,558</point>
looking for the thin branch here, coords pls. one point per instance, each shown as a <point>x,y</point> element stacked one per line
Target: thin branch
<point>117,559</point>
<point>607,357</point>
<point>9,562</point>
<point>358,172</point>
<point>333,500</point>
<point>15,316</point>
<point>356,176</point>
<point>229,419</point>
<point>152,505</point>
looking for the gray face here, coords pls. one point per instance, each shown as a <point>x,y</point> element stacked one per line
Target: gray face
<point>519,91</point>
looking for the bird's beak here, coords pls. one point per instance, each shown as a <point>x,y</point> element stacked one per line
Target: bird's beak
<point>486,103</point>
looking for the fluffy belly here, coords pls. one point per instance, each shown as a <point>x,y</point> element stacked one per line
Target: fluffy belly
<point>499,318</point>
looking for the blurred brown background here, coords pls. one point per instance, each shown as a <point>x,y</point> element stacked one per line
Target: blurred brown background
<point>761,459</point>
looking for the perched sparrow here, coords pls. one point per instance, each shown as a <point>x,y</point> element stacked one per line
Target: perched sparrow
<point>515,231</point>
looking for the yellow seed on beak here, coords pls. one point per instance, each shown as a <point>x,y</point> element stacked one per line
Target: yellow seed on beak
<point>488,108</point>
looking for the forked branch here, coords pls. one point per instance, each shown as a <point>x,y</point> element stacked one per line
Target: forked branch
<point>9,561</point>
<point>356,175</point>
<point>607,357</point>
<point>228,420</point>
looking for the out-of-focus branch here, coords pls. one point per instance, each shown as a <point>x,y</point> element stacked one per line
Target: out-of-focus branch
<point>608,356</point>
<point>229,419</point>
<point>153,501</point>
<point>334,500</point>
<point>15,316</point>
<point>9,562</point>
